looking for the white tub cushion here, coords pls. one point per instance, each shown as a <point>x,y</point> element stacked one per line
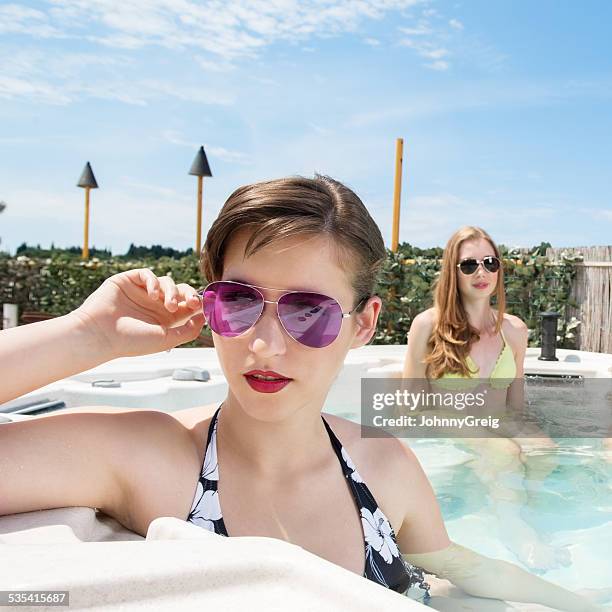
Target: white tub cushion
<point>72,524</point>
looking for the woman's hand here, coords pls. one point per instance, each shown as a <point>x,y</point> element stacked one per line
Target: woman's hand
<point>137,313</point>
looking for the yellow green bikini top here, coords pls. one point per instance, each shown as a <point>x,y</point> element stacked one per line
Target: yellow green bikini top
<point>501,377</point>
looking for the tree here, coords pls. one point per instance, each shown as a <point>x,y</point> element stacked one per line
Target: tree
<point>2,208</point>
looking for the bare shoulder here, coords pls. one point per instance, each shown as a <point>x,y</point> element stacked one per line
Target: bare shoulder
<point>160,464</point>
<point>514,323</point>
<point>399,484</point>
<point>420,331</point>
<point>151,434</point>
<point>191,418</point>
<point>425,320</point>
<point>155,458</point>
<point>384,456</point>
<point>516,332</point>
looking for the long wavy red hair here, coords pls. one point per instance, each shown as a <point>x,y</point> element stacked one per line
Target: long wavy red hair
<point>452,335</point>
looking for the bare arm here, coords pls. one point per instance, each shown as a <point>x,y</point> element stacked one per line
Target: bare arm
<point>482,576</point>
<point>416,351</point>
<point>62,460</point>
<point>414,378</point>
<point>422,529</point>
<point>516,395</point>
<point>424,542</point>
<point>35,355</point>
<point>516,392</point>
<point>131,313</point>
<point>105,458</point>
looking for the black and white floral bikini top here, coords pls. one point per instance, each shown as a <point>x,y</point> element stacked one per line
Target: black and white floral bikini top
<point>384,563</point>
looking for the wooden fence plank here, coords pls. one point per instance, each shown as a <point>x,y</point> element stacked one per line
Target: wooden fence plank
<point>592,291</point>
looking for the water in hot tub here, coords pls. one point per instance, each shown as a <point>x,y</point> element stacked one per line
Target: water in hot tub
<point>550,511</point>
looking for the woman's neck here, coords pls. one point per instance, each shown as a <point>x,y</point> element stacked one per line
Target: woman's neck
<point>480,316</point>
<point>274,449</point>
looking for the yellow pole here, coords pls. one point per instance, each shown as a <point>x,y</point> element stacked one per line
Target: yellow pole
<point>199,226</point>
<point>399,149</point>
<point>85,254</point>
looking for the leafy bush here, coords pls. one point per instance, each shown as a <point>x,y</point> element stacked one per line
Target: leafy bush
<point>60,282</point>
<point>533,285</point>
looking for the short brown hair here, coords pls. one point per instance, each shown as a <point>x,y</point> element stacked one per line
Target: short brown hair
<point>300,206</point>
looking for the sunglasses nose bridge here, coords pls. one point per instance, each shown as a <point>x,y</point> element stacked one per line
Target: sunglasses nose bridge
<point>269,335</point>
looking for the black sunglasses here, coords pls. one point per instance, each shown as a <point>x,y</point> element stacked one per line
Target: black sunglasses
<point>470,265</point>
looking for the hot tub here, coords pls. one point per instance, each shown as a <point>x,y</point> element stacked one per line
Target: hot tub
<point>569,510</point>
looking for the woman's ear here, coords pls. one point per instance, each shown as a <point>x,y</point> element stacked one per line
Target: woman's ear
<point>366,322</point>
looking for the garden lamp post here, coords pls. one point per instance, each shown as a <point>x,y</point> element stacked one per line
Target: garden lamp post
<point>399,150</point>
<point>200,168</point>
<point>87,182</point>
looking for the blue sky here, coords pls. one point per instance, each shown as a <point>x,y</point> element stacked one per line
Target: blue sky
<point>504,108</point>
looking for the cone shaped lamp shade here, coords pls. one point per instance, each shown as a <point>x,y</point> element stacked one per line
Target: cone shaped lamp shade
<point>200,166</point>
<point>87,178</point>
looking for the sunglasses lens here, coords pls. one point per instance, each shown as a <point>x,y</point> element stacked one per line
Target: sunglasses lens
<point>231,308</point>
<point>468,266</point>
<point>311,318</point>
<point>491,264</point>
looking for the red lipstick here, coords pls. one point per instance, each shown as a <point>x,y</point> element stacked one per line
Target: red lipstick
<point>266,386</point>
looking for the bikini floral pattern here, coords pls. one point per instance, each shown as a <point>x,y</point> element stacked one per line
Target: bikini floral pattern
<point>384,563</point>
<point>206,509</point>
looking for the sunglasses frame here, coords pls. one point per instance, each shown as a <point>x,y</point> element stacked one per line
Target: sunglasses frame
<point>286,292</point>
<point>480,262</point>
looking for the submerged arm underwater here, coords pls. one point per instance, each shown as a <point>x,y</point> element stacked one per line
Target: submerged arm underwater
<point>482,576</point>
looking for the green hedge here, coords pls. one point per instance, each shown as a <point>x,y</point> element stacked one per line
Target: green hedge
<point>60,283</point>
<point>533,285</point>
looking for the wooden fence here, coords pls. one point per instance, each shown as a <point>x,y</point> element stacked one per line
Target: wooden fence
<point>592,291</point>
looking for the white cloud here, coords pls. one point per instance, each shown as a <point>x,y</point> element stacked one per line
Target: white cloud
<point>451,211</point>
<point>438,65</point>
<point>219,32</point>
<point>599,213</point>
<point>16,140</point>
<point>229,156</point>
<point>428,50</point>
<point>319,129</point>
<point>373,42</point>
<point>434,53</point>
<point>60,78</point>
<point>175,137</point>
<point>430,38</point>
<point>147,214</point>
<point>163,192</point>
<point>421,30</point>
<point>214,66</point>
<point>19,19</point>
<point>268,82</point>
<point>494,94</point>
<point>11,87</point>
<point>183,91</point>
<point>240,28</point>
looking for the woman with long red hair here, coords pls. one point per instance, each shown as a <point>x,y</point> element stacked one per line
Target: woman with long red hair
<point>463,334</point>
<point>466,340</point>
